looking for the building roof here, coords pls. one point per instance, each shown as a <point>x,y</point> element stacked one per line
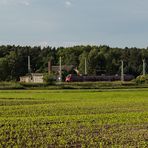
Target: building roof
<point>32,74</point>
<point>37,74</point>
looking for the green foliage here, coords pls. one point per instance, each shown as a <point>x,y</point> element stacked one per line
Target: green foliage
<point>100,59</point>
<point>93,58</point>
<point>49,79</point>
<point>3,69</point>
<point>64,74</point>
<point>142,79</point>
<point>70,55</point>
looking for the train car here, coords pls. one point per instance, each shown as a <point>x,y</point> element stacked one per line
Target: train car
<point>75,78</point>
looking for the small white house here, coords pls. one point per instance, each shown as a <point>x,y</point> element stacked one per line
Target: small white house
<point>33,78</point>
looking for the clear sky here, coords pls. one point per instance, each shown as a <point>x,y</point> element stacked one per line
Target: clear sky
<point>74,22</point>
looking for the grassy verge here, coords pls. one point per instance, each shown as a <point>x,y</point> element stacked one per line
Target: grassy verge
<point>10,85</point>
<point>72,85</point>
<point>86,85</point>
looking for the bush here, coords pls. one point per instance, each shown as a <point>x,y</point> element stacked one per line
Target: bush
<point>142,79</point>
<point>64,74</point>
<point>10,85</point>
<point>49,79</point>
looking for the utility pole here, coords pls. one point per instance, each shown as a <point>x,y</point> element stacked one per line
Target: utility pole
<point>122,71</point>
<point>49,67</point>
<point>144,66</point>
<point>85,66</point>
<point>29,68</point>
<point>60,72</point>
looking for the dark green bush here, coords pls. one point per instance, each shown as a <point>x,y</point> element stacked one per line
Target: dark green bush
<point>49,79</point>
<point>142,79</point>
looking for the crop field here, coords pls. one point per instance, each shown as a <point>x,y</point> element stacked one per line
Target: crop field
<point>74,118</point>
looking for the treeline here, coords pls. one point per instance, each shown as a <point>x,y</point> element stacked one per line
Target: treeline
<point>100,59</point>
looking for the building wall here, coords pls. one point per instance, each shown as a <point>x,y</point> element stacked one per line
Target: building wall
<point>35,79</point>
<point>26,79</point>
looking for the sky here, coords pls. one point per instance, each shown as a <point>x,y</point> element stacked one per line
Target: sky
<point>117,23</point>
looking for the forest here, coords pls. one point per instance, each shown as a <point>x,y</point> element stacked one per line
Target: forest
<point>100,59</point>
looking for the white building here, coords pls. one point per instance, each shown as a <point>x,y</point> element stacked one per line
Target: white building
<point>33,78</point>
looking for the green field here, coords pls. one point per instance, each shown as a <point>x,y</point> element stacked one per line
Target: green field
<point>74,118</point>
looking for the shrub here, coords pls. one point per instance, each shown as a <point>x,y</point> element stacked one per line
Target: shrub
<point>64,74</point>
<point>49,79</point>
<point>142,79</point>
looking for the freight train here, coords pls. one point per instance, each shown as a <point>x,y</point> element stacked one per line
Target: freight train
<point>76,78</point>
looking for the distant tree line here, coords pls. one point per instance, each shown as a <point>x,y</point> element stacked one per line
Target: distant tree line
<point>100,59</point>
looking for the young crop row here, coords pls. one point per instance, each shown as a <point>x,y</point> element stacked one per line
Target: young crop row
<point>73,119</point>
<point>46,133</point>
<point>44,108</point>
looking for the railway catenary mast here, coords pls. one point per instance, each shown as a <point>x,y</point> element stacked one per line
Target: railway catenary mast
<point>85,66</point>
<point>29,67</point>
<point>122,71</point>
<point>60,70</point>
<point>144,66</point>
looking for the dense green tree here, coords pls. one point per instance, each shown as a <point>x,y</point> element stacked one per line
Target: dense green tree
<point>100,59</point>
<point>3,69</point>
<point>70,55</point>
<point>92,61</point>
